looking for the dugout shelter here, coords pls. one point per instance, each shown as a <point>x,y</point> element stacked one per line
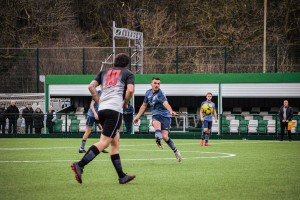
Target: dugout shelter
<point>189,90</point>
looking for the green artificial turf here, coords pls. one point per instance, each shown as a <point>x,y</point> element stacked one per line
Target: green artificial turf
<point>248,170</point>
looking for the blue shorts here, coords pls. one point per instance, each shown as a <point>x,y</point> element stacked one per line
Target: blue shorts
<point>207,124</point>
<point>165,121</point>
<point>91,121</point>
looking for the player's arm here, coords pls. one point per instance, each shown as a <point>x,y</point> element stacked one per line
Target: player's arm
<point>215,115</point>
<point>128,95</point>
<point>93,109</point>
<point>201,115</point>
<point>92,88</point>
<point>141,111</point>
<point>169,108</point>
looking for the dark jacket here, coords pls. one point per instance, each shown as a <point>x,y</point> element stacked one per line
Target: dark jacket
<point>12,112</point>
<point>289,113</point>
<point>129,110</point>
<point>49,122</point>
<point>2,114</point>
<point>38,119</point>
<point>27,114</point>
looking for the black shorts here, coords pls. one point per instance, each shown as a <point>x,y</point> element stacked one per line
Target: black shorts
<point>111,121</point>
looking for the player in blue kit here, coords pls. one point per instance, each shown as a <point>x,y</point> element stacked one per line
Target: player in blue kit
<point>92,119</point>
<point>161,115</point>
<point>207,111</point>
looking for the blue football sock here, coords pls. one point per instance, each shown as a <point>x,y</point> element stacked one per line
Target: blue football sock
<point>158,134</point>
<point>171,145</point>
<point>206,137</point>
<point>83,144</point>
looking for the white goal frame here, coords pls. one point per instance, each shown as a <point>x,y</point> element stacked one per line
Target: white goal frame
<point>137,48</point>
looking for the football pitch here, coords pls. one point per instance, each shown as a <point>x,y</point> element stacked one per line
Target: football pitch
<point>228,169</point>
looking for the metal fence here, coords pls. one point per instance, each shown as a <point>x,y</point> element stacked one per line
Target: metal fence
<point>20,68</point>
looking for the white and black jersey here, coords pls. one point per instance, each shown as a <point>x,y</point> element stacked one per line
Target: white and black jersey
<point>114,83</point>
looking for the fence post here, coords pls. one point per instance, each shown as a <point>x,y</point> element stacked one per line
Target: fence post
<point>225,59</point>
<point>66,122</point>
<point>176,60</point>
<point>276,58</point>
<point>37,66</point>
<point>130,58</point>
<point>83,60</point>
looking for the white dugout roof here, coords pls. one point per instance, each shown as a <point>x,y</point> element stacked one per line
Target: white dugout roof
<point>239,90</point>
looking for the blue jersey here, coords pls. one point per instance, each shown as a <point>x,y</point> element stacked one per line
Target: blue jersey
<point>96,106</point>
<point>156,100</point>
<point>207,109</point>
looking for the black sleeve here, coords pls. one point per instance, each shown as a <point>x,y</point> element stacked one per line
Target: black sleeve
<point>98,78</point>
<point>130,79</point>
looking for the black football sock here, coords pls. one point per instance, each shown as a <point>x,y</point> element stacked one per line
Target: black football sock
<point>171,145</point>
<point>115,159</point>
<point>89,156</point>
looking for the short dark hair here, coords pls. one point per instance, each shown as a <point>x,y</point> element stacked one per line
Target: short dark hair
<point>208,93</point>
<point>155,78</point>
<point>121,60</point>
<point>2,104</point>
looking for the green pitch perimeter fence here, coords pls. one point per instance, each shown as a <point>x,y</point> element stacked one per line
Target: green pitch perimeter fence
<point>233,126</point>
<point>20,69</point>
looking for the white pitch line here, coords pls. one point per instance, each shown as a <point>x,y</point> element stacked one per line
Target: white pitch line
<point>131,145</point>
<point>222,155</point>
<point>31,148</point>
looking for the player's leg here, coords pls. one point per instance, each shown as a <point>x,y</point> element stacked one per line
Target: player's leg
<point>92,152</point>
<point>165,127</point>
<point>88,129</point>
<point>207,134</point>
<point>111,129</point>
<point>158,134</point>
<point>97,123</point>
<point>116,160</point>
<point>202,137</point>
<point>204,132</point>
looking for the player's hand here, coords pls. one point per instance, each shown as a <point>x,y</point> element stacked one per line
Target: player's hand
<point>125,106</point>
<point>135,120</point>
<point>202,119</point>
<point>174,113</point>
<point>96,117</point>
